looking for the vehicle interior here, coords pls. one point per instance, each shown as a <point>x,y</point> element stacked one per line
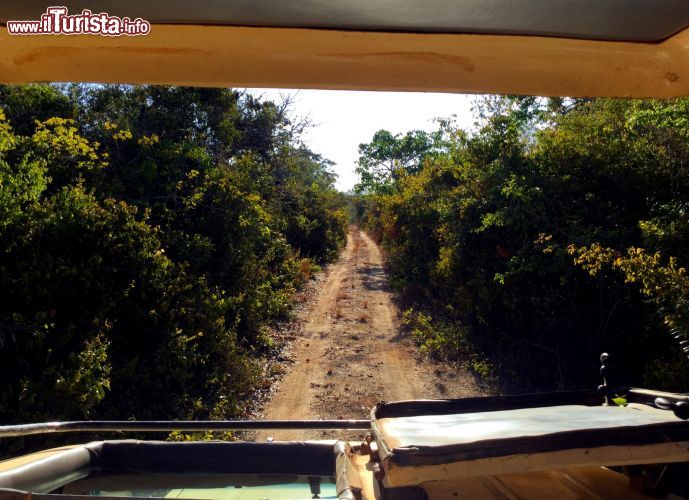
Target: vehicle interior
<point>487,447</point>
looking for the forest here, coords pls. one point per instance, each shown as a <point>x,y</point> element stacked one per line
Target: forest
<point>556,230</point>
<point>150,237</point>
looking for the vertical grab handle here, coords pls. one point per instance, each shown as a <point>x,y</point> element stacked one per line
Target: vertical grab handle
<point>604,388</point>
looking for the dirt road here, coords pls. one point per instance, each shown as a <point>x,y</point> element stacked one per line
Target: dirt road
<point>350,353</point>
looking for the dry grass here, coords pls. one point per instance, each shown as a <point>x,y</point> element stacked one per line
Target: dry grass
<point>276,370</point>
<point>336,312</point>
<point>364,318</point>
<point>306,269</point>
<point>342,295</point>
<point>364,304</point>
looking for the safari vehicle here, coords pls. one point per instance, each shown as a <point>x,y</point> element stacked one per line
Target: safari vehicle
<point>570,445</point>
<point>526,446</point>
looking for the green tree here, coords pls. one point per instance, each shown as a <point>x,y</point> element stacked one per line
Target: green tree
<point>388,157</point>
<point>149,236</point>
<point>479,237</point>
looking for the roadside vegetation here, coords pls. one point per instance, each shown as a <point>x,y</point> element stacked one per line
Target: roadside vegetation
<point>554,231</point>
<point>149,237</point>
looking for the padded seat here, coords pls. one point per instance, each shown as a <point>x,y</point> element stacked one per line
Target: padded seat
<point>440,440</point>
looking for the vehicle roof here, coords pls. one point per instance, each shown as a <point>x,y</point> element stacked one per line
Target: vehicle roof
<point>435,45</point>
<point>630,20</point>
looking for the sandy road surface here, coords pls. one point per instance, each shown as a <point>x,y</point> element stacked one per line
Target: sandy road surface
<point>350,354</point>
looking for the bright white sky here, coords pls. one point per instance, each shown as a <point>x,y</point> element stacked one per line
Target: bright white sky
<point>344,119</point>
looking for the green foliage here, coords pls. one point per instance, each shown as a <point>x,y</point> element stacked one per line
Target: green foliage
<point>665,285</point>
<point>446,340</point>
<point>479,236</point>
<point>432,338</point>
<point>146,243</point>
<point>388,158</point>
<point>24,105</point>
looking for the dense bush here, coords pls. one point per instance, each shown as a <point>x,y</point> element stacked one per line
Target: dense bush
<point>498,230</point>
<point>148,236</point>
